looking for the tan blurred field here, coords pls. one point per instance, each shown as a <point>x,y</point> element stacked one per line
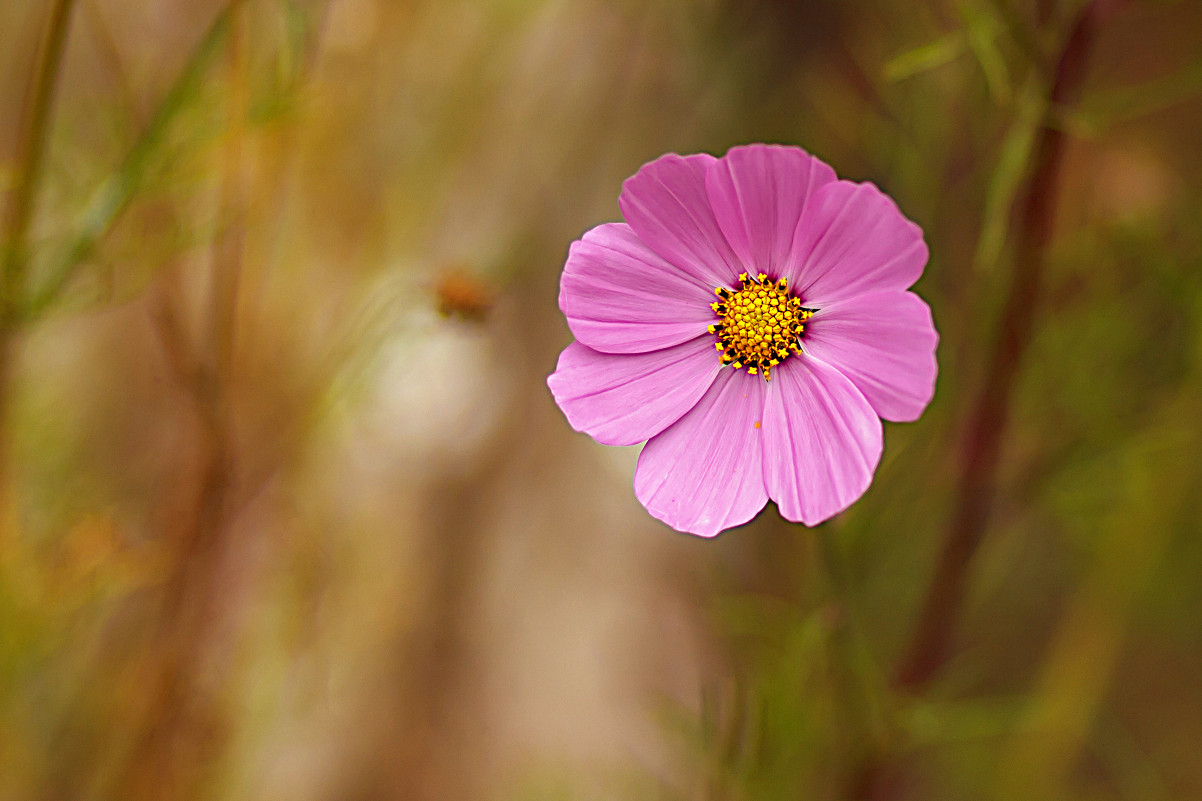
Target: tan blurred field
<point>287,511</point>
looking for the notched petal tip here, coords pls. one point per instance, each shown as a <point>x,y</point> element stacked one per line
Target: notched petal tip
<point>626,399</point>
<point>822,441</point>
<point>759,193</point>
<point>703,474</point>
<point>854,240</point>
<point>620,297</point>
<point>708,530</point>
<point>666,204</point>
<point>886,344</point>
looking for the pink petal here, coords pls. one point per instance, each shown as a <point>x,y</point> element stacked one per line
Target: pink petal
<point>885,343</point>
<point>619,297</point>
<point>759,193</point>
<point>703,474</point>
<point>853,240</point>
<point>666,204</point>
<point>822,440</point>
<point>626,399</point>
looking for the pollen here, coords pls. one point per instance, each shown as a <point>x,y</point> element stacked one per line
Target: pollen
<point>760,324</point>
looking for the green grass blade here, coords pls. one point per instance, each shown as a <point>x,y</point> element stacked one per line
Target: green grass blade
<point>114,194</point>
<point>932,55</point>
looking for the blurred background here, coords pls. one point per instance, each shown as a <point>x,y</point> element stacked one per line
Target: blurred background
<point>287,512</point>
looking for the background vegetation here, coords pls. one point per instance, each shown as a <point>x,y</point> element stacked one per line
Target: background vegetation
<point>286,510</point>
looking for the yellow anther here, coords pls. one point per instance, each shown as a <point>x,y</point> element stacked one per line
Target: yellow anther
<point>760,324</point>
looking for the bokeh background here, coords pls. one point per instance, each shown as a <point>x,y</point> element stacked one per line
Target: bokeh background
<point>287,512</point>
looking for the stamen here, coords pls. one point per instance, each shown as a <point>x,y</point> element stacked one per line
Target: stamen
<point>760,324</point>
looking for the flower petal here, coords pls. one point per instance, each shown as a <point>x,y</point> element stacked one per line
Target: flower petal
<point>853,240</point>
<point>626,399</point>
<point>822,440</point>
<point>666,204</point>
<point>703,474</point>
<point>885,343</point>
<point>759,193</point>
<point>619,297</point>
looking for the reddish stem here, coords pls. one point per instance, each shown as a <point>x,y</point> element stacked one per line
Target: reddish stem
<point>930,644</point>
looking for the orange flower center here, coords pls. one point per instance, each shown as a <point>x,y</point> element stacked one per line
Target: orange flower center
<point>760,324</point>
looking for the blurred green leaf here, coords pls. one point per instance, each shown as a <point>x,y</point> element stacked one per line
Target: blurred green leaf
<point>932,722</point>
<point>1008,175</point>
<point>927,57</point>
<point>1106,108</point>
<point>982,31</point>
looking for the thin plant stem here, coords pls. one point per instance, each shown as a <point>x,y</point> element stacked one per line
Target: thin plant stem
<point>113,196</point>
<point>930,644</point>
<point>177,745</point>
<point>878,779</point>
<point>861,684</point>
<point>32,146</point>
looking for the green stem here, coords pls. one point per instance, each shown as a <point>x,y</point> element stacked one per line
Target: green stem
<point>32,147</point>
<point>861,683</point>
<point>113,196</point>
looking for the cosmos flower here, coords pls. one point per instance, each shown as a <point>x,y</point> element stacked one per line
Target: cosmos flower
<point>751,322</point>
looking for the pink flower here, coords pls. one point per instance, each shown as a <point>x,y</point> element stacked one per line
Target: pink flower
<point>750,321</point>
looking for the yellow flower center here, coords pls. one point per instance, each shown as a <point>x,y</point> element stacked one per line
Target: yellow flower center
<point>760,324</point>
